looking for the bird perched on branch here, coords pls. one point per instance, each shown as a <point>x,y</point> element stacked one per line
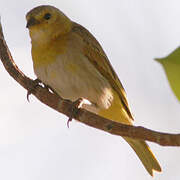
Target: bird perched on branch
<point>68,58</point>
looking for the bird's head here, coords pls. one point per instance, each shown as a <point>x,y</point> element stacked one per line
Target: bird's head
<point>47,22</point>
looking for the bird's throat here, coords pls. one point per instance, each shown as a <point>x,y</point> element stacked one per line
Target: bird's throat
<point>45,53</point>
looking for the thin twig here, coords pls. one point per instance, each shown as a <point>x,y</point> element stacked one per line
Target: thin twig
<point>64,106</point>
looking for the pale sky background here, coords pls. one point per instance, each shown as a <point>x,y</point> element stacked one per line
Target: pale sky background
<point>35,143</point>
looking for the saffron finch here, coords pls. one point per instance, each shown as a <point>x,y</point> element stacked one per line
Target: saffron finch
<point>68,58</point>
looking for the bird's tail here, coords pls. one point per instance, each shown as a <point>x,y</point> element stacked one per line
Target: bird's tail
<point>145,155</point>
<point>117,113</point>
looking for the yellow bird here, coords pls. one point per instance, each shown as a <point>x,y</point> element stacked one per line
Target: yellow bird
<point>68,58</point>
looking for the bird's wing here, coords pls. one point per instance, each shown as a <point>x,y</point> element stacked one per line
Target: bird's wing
<point>95,54</point>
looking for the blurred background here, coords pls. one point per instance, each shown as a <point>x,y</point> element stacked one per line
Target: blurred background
<point>35,143</point>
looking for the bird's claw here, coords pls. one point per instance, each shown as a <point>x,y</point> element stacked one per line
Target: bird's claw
<point>29,92</point>
<point>76,105</point>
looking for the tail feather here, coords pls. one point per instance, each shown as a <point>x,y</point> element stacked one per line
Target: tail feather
<point>116,113</point>
<point>145,155</point>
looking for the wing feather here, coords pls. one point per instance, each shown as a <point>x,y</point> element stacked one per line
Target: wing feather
<point>95,54</point>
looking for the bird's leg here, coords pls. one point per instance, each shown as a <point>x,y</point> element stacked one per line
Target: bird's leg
<point>36,83</point>
<point>74,109</point>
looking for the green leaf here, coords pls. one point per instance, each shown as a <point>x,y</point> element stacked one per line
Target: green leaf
<point>171,65</point>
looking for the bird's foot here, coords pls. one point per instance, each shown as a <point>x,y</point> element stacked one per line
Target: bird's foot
<point>74,109</point>
<point>38,82</point>
<point>30,91</point>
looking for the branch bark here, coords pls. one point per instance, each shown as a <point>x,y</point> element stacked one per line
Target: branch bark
<point>65,106</point>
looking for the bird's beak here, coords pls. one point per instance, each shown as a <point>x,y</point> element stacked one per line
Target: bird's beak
<point>31,22</point>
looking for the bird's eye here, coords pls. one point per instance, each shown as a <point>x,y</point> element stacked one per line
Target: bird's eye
<point>47,16</point>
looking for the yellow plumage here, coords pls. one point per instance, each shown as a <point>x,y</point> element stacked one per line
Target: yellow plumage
<point>69,59</point>
<point>116,113</point>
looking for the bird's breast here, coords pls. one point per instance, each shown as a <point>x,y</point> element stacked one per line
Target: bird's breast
<point>72,76</point>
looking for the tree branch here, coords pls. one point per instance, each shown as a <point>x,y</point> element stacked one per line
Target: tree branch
<point>64,106</point>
